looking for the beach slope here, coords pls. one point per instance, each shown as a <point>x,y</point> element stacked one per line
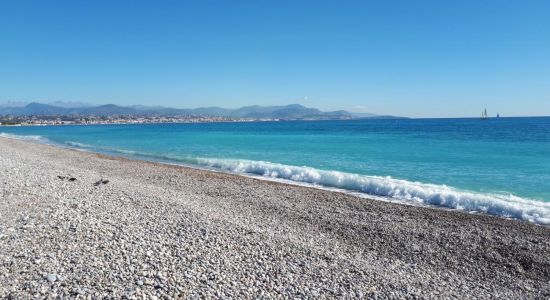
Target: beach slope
<point>77,224</point>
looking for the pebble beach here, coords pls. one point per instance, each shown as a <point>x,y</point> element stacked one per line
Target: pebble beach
<point>81,225</point>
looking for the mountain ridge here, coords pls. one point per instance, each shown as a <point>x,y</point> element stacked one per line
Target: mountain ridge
<point>291,111</point>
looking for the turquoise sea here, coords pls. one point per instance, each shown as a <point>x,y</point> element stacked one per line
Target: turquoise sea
<point>495,166</point>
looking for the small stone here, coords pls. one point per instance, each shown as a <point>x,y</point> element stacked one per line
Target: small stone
<point>51,277</point>
<point>79,291</point>
<point>139,282</point>
<point>149,281</point>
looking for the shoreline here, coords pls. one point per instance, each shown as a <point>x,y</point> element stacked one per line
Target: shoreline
<point>529,213</point>
<point>135,123</point>
<point>172,230</point>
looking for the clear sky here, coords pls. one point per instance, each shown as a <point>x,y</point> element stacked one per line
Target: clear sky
<point>410,58</point>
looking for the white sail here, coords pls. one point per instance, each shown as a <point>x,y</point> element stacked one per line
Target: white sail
<point>484,114</point>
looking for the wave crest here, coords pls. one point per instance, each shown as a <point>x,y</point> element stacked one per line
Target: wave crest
<point>78,145</point>
<point>503,205</point>
<point>35,138</point>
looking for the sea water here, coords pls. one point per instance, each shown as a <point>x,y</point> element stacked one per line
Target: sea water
<point>494,166</point>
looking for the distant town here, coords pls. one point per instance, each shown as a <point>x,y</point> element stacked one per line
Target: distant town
<point>45,114</point>
<point>123,119</point>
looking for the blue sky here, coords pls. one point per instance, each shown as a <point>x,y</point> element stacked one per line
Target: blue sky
<point>411,58</point>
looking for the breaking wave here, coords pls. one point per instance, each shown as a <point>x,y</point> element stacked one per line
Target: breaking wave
<point>78,145</point>
<point>504,205</point>
<point>36,138</point>
<point>404,191</point>
<point>497,204</point>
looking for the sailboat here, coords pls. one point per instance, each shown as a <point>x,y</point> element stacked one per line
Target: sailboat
<point>484,114</point>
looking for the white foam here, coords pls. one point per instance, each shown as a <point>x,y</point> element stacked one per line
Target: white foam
<point>78,145</point>
<point>131,152</point>
<point>505,205</point>
<point>36,138</point>
<point>497,204</point>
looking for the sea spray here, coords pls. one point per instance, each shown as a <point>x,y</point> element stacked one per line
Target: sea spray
<point>37,138</point>
<point>494,204</point>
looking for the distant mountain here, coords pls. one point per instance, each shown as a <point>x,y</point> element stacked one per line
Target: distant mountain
<point>32,109</point>
<point>69,104</point>
<point>106,110</point>
<point>287,112</point>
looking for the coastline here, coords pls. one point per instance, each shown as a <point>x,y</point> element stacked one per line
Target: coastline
<point>133,123</point>
<point>236,231</point>
<point>384,188</point>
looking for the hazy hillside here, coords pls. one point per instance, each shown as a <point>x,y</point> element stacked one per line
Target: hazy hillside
<point>288,112</point>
